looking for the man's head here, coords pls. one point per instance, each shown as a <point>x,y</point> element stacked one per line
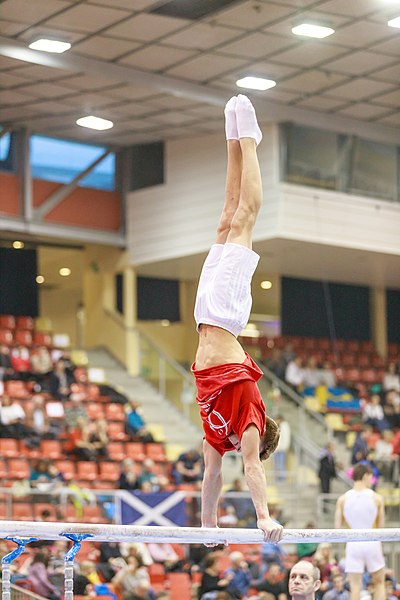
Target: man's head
<point>338,582</point>
<point>304,581</point>
<point>363,473</point>
<point>270,439</point>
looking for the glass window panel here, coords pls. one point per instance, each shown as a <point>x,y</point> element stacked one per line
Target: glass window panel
<point>5,142</point>
<point>7,152</point>
<point>59,160</point>
<point>312,156</point>
<point>373,169</point>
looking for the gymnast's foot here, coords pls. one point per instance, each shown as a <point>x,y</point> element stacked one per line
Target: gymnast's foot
<point>246,119</point>
<point>230,120</point>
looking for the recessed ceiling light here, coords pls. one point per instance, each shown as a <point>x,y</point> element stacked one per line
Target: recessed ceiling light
<point>256,83</point>
<point>17,245</point>
<point>64,271</point>
<point>95,123</point>
<point>165,322</point>
<point>311,30</point>
<point>50,46</point>
<point>40,279</point>
<point>394,22</point>
<point>266,285</point>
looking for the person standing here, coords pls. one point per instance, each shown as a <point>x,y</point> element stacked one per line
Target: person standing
<point>362,508</point>
<point>231,406</point>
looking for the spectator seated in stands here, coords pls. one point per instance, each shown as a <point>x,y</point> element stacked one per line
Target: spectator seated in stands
<point>294,375</point>
<point>98,438</point>
<point>13,423</point>
<point>238,575</point>
<point>78,441</point>
<point>360,448</point>
<point>134,575</point>
<point>20,362</point>
<point>272,583</point>
<point>75,410</point>
<point>276,363</point>
<point>311,373</point>
<point>229,518</point>
<point>38,420</point>
<point>149,480</point>
<point>384,456</point>
<point>243,505</point>
<point>39,578</point>
<point>325,560</point>
<point>165,554</point>
<point>373,414</point>
<point>391,378</point>
<point>188,468</point>
<point>327,375</point>
<point>212,581</point>
<point>41,364</point>
<point>86,576</point>
<point>45,477</point>
<point>337,589</point>
<point>110,560</point>
<point>56,562</point>
<point>391,409</point>
<point>135,425</point>
<point>60,380</point>
<point>6,370</point>
<point>128,479</point>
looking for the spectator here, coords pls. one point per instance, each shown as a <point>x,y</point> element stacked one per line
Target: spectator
<point>360,448</point>
<point>211,580</point>
<point>373,414</point>
<point>36,417</point>
<point>41,363</point>
<point>238,575</point>
<point>135,425</point>
<point>272,583</point>
<point>60,380</point>
<point>327,375</point>
<point>110,559</point>
<point>128,479</point>
<point>325,561</point>
<point>86,576</point>
<point>188,468</point>
<point>13,423</point>
<point>75,411</point>
<point>130,577</point>
<point>148,480</point>
<point>241,502</point>
<point>138,549</point>
<point>338,591</point>
<point>288,353</point>
<point>294,375</point>
<point>391,409</point>
<point>39,578</point>
<point>280,454</point>
<point>327,469</point>
<point>20,362</point>
<point>307,550</point>
<point>6,370</point>
<point>384,457</point>
<point>229,519</point>
<point>391,379</point>
<point>311,374</point>
<point>276,363</point>
<point>99,439</point>
<point>165,555</point>
<point>78,441</point>
<point>56,562</point>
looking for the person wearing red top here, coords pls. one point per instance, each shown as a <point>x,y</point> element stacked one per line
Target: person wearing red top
<point>231,406</point>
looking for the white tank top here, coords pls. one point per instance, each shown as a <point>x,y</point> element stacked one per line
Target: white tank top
<point>360,510</point>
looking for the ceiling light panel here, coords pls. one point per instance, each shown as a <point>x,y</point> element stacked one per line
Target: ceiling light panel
<point>311,30</point>
<point>46,45</point>
<point>92,122</point>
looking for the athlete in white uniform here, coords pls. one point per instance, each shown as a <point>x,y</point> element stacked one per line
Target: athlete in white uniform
<point>362,508</point>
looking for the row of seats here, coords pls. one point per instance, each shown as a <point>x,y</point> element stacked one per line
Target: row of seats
<point>11,322</point>
<point>25,338</point>
<point>28,511</point>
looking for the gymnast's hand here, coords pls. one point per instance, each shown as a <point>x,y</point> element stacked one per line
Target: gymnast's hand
<point>272,530</point>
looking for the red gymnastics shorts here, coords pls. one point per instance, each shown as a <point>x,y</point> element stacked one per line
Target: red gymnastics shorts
<point>233,409</point>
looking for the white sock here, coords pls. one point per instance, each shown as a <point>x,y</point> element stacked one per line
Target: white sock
<point>246,119</point>
<point>230,120</point>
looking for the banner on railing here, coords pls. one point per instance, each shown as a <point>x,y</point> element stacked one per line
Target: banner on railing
<point>161,508</point>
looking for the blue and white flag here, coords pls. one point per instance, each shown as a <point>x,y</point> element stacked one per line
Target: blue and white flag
<point>161,508</point>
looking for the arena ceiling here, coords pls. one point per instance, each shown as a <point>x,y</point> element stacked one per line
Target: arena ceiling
<point>163,69</point>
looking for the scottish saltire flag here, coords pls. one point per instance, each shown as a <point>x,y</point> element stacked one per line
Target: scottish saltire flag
<point>161,508</point>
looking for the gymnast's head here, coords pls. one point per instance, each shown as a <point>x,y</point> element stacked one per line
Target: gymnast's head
<point>270,439</point>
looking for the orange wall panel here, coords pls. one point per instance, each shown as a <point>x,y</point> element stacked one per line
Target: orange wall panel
<point>84,207</point>
<point>9,194</point>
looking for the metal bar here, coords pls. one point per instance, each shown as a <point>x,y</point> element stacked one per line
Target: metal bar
<point>190,535</point>
<point>64,191</point>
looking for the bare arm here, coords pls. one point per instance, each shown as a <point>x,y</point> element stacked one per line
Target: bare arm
<point>339,513</point>
<point>381,510</point>
<point>257,482</point>
<point>212,485</point>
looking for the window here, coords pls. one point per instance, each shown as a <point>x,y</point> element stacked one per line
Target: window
<point>61,160</point>
<point>373,169</point>
<point>311,156</point>
<point>7,152</point>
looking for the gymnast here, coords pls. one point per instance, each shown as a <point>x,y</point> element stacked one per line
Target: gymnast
<point>231,406</point>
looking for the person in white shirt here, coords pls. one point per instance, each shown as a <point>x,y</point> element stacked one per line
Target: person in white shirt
<point>373,413</point>
<point>280,454</point>
<point>294,374</point>
<point>383,455</point>
<point>391,379</point>
<point>362,508</point>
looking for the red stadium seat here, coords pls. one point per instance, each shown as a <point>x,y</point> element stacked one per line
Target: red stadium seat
<point>22,336</point>
<point>7,321</point>
<point>348,359</point>
<point>108,471</point>
<point>24,323</point>
<point>42,506</point>
<point>116,431</point>
<point>16,389</point>
<point>116,451</point>
<point>155,452</point>
<point>9,448</point>
<point>86,470</point>
<point>352,375</point>
<point>66,468</point>
<point>364,360</point>
<point>352,346</point>
<point>3,469</point>
<point>18,468</point>
<point>367,346</point>
<point>93,514</point>
<point>93,392</point>
<point>22,511</point>
<point>135,450</point>
<point>180,586</point>
<point>41,338</point>
<point>51,449</point>
<point>368,376</point>
<point>4,511</point>
<point>115,412</point>
<point>95,410</point>
<point>6,337</point>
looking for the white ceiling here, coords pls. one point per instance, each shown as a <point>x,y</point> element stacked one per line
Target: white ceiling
<point>159,77</point>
